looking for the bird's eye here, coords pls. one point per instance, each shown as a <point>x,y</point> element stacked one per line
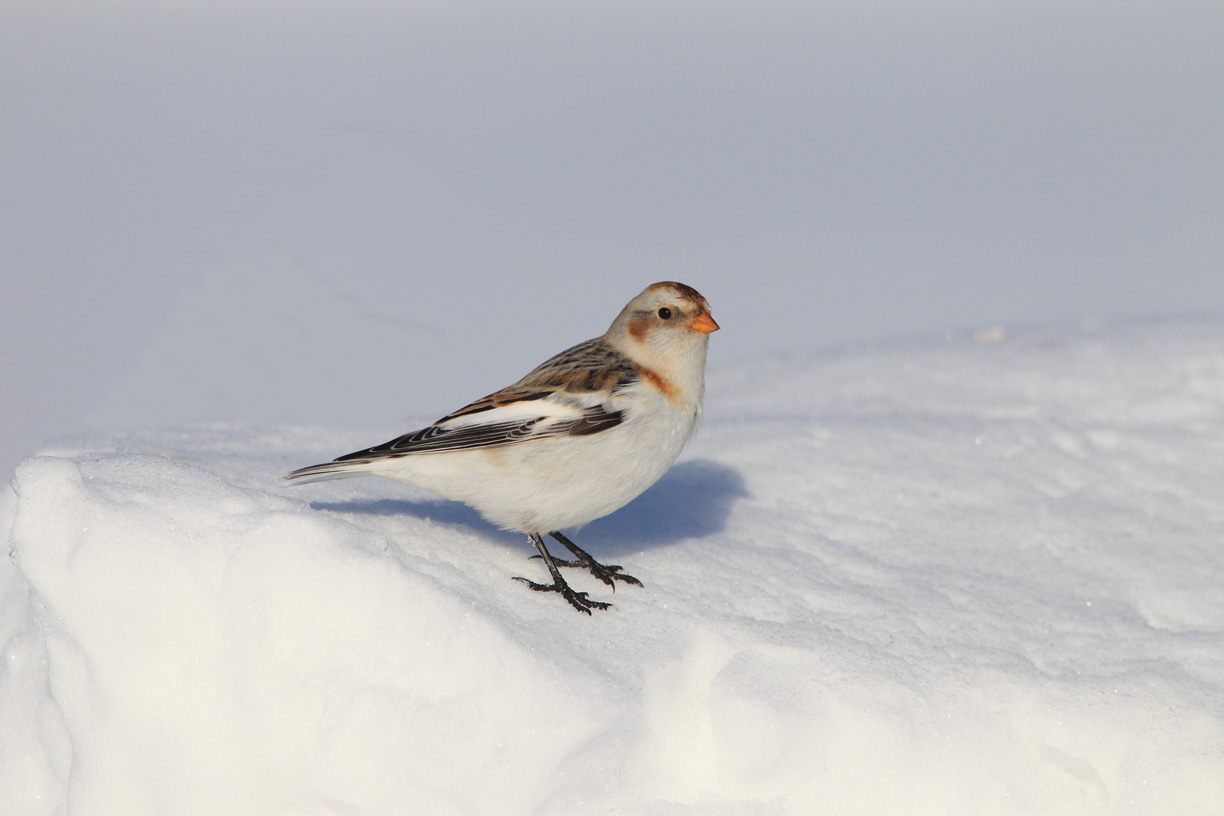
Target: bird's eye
<point>665,313</point>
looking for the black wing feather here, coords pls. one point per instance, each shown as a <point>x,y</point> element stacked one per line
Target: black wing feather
<point>435,439</point>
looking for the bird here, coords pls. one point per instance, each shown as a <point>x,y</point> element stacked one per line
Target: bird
<point>578,437</point>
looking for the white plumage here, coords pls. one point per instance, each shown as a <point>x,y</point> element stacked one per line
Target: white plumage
<point>577,438</point>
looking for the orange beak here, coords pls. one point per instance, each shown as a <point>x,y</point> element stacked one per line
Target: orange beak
<point>704,323</point>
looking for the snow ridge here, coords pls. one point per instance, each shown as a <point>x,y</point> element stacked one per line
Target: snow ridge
<point>950,579</point>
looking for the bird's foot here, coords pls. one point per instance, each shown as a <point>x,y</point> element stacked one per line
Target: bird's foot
<point>608,573</point>
<point>578,600</point>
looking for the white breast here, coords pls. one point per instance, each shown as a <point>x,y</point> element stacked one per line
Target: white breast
<point>564,482</point>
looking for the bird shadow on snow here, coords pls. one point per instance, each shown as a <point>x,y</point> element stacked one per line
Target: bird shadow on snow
<point>692,500</point>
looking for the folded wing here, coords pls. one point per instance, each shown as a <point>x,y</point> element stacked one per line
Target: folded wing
<point>510,423</point>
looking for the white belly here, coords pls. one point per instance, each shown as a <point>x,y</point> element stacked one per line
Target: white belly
<point>554,484</point>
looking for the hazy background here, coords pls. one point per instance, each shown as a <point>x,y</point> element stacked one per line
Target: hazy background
<point>352,214</point>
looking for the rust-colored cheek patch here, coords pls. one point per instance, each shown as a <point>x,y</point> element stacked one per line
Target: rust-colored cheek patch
<point>659,381</point>
<point>638,328</point>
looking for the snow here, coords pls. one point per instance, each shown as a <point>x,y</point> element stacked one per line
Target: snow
<point>950,576</point>
<point>976,573</point>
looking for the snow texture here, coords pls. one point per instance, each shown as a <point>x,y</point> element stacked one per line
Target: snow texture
<point>948,578</point>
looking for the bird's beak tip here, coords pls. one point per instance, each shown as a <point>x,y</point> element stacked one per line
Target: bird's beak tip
<point>704,323</point>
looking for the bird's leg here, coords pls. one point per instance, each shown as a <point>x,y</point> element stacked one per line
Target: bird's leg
<point>609,573</point>
<point>578,600</point>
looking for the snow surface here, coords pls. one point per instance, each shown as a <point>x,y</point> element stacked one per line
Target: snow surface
<point>952,577</point>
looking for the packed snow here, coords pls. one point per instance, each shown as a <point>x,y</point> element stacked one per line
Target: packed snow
<point>978,574</point>
<point>974,574</point>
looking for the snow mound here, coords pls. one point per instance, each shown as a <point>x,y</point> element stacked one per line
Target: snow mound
<point>951,579</point>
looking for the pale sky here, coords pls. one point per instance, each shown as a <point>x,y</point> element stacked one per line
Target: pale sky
<point>359,214</point>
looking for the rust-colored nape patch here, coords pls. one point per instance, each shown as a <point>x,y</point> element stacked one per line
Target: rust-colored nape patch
<point>658,381</point>
<point>638,327</point>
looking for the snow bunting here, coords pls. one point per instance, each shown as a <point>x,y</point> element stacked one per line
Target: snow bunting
<point>580,436</point>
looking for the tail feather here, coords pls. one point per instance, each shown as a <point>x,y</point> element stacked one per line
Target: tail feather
<point>330,470</point>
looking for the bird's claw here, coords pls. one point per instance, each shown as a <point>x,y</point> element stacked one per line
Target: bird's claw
<point>578,600</point>
<point>608,573</point>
